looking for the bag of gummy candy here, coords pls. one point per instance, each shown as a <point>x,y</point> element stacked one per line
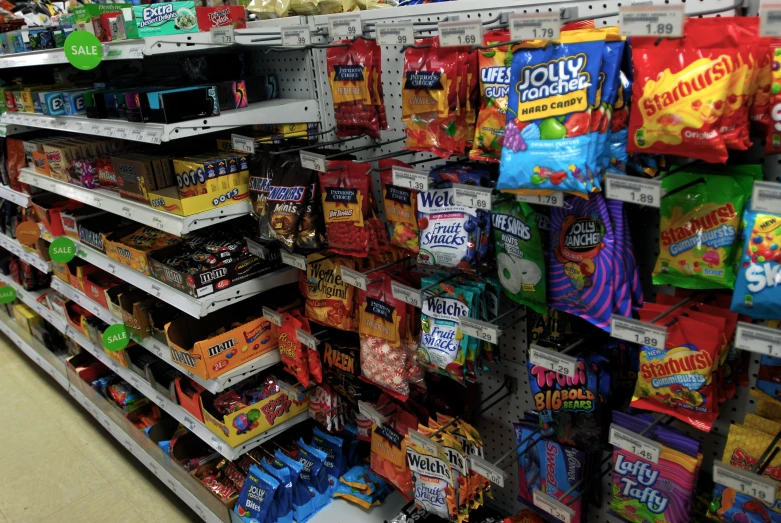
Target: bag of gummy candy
<point>699,227</point>
<point>757,292</point>
<point>400,209</point>
<point>494,73</point>
<point>548,142</point>
<point>433,478</point>
<point>581,260</point>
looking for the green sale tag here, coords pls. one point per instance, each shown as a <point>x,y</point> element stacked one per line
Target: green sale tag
<point>83,50</point>
<point>7,294</point>
<point>115,337</point>
<point>62,250</point>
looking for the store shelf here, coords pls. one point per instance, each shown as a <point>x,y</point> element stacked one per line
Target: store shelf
<point>279,111</point>
<point>12,245</point>
<point>113,203</point>
<point>125,50</point>
<point>163,352</point>
<point>19,198</point>
<point>196,307</point>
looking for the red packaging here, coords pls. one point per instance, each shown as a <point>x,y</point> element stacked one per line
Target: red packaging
<point>313,363</point>
<point>10,103</point>
<point>350,72</point>
<point>759,113</point>
<point>773,142</point>
<point>345,190</point>
<point>221,16</point>
<point>291,350</point>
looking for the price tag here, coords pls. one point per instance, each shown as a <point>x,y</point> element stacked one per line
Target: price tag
<point>651,20</point>
<point>535,26</point>
<point>754,485</point>
<point>555,199</point>
<point>551,360</point>
<point>95,129</point>
<point>272,316</point>
<point>189,423</point>
<point>222,35</point>
<point>157,349</point>
<point>313,161</point>
<point>423,442</point>
<point>371,413</point>
<point>243,143</point>
<point>306,339</point>
<point>755,338</point>
<point>127,212</point>
<point>456,34</point>
<point>637,331</point>
<point>395,33</point>
<point>344,26</point>
<point>635,443</point>
<point>406,294</point>
<point>766,197</point>
<point>472,196</point>
<point>480,329</point>
<point>296,35</point>
<point>294,260</point>
<point>153,136</point>
<point>156,291</point>
<point>488,470</point>
<point>137,135</point>
<point>553,507</point>
<point>121,133</point>
<point>112,268</point>
<point>161,401</point>
<point>410,178</point>
<point>354,278</point>
<point>770,20</point>
<point>62,124</point>
<point>634,190</point>
<point>108,131</point>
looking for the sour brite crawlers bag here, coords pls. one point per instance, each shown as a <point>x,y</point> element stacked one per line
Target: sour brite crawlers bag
<point>548,142</point>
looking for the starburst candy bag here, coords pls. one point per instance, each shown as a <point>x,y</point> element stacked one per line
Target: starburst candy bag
<point>548,141</point>
<point>494,69</point>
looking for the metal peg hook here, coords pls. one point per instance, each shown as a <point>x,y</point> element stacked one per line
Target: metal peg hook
<point>314,145</point>
<point>364,148</point>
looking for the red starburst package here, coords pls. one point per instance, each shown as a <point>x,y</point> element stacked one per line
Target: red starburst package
<point>351,74</point>
<point>759,113</point>
<point>291,350</point>
<point>680,90</point>
<point>345,190</point>
<point>429,99</point>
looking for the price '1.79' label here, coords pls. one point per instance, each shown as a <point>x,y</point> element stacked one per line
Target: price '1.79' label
<point>636,331</point>
<point>535,26</point>
<point>554,199</point>
<point>755,338</point>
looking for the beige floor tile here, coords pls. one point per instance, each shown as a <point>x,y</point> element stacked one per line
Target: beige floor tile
<point>101,505</point>
<point>154,501</point>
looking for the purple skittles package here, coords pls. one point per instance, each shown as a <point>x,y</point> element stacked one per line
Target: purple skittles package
<point>581,260</point>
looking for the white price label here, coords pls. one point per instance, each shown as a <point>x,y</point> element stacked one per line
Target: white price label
<point>157,349</point>
<point>635,443</point>
<point>456,34</point>
<point>395,33</point>
<point>137,135</point>
<point>766,197</point>
<point>371,413</point>
<point>406,294</point>
<point>189,423</point>
<point>306,339</point>
<point>95,129</point>
<point>127,212</point>
<point>554,199</point>
<point>423,442</point>
<point>553,507</point>
<point>354,278</point>
<point>410,178</point>
<point>62,124</point>
<point>108,131</point>
<point>294,260</point>
<point>631,189</point>
<point>638,331</point>
<point>112,268</point>
<point>344,26</point>
<point>153,136</point>
<point>272,316</point>
<point>296,35</point>
<point>313,161</point>
<point>243,143</point>
<point>121,133</point>
<point>78,127</point>
<point>754,485</point>
<point>755,338</point>
<point>161,402</point>
<point>535,26</point>
<point>222,35</point>
<point>553,361</point>
<point>472,196</point>
<point>770,20</point>
<point>651,20</point>
<point>488,470</point>
<point>480,329</point>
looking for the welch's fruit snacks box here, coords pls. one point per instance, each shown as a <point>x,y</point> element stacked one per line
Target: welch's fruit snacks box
<point>167,18</point>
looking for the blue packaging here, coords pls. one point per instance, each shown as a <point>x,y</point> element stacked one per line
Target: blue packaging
<point>73,102</point>
<point>284,495</point>
<point>51,103</point>
<point>314,474</point>
<point>256,496</point>
<point>302,500</point>
<point>334,462</point>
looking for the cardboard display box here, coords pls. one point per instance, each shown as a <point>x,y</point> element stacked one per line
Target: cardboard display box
<point>188,394</point>
<point>132,245</point>
<point>48,208</point>
<point>168,199</point>
<point>26,318</point>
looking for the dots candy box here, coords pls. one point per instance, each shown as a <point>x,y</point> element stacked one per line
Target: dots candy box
<point>166,18</point>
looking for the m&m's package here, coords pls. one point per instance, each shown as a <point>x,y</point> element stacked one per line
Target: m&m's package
<point>700,227</point>
<point>757,290</point>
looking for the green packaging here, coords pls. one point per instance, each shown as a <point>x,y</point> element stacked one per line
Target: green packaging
<point>166,18</point>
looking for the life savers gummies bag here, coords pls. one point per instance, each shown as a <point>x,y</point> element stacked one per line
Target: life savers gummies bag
<point>757,289</point>
<point>548,142</point>
<point>351,77</point>
<point>679,92</point>
<point>699,229</point>
<point>580,260</point>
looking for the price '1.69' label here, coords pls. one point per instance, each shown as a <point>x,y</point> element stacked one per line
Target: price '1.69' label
<point>455,34</point>
<point>472,196</point>
<point>637,331</point>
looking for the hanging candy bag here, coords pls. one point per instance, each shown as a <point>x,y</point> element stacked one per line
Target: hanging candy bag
<point>345,197</point>
<point>350,75</point>
<point>400,206</point>
<point>291,351</point>
<point>329,300</point>
<point>448,232</point>
<point>433,477</point>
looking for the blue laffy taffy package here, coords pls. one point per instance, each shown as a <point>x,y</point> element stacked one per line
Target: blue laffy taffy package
<point>256,496</point>
<point>548,142</point>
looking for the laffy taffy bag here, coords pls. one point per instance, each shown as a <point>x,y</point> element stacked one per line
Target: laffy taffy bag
<point>548,141</point>
<point>344,189</point>
<point>350,71</point>
<point>494,70</point>
<point>680,88</point>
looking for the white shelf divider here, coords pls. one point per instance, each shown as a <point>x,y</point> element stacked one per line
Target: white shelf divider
<point>19,198</point>
<point>12,245</point>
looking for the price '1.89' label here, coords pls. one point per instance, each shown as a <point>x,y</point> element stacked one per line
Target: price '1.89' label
<point>651,20</point>
<point>636,331</point>
<point>634,190</point>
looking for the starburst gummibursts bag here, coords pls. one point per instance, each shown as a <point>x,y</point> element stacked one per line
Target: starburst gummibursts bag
<point>548,141</point>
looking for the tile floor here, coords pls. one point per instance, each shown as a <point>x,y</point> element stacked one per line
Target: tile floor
<point>59,466</point>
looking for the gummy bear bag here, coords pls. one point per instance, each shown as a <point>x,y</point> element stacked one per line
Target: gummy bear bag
<point>548,142</point>
<point>581,260</point>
